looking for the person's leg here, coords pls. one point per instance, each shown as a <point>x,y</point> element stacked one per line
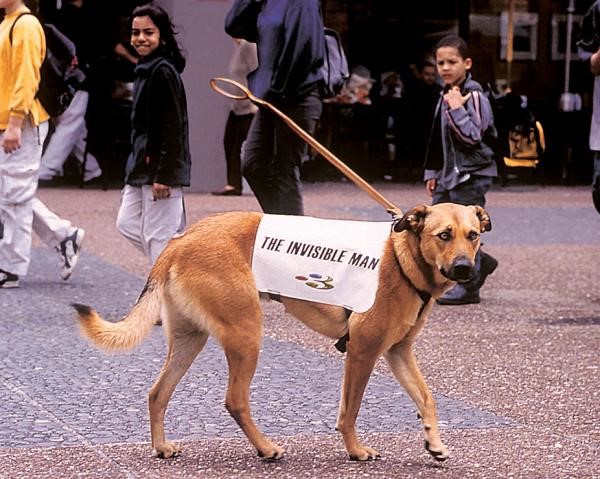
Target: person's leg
<point>472,191</point>
<point>59,234</point>
<point>68,129</point>
<point>90,164</point>
<point>234,160</point>
<point>440,195</point>
<point>596,181</point>
<point>129,216</point>
<point>161,220</point>
<point>291,151</point>
<point>258,159</point>
<point>48,225</point>
<point>18,184</point>
<point>229,143</point>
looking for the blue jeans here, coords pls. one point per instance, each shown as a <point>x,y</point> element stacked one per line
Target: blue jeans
<point>272,154</point>
<point>471,192</point>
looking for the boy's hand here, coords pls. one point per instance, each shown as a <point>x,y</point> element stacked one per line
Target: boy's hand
<point>430,186</point>
<point>454,98</point>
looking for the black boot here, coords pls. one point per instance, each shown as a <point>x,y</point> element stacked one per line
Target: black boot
<point>468,293</point>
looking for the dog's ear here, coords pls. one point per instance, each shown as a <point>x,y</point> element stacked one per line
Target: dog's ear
<point>414,220</point>
<point>485,222</point>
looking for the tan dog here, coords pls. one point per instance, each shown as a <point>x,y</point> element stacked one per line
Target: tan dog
<point>190,286</point>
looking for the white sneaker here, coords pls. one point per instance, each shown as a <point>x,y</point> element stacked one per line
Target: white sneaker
<point>69,250</point>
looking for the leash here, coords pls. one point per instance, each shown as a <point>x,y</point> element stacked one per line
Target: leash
<point>246,94</point>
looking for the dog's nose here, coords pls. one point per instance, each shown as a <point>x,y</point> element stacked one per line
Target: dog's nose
<point>462,269</point>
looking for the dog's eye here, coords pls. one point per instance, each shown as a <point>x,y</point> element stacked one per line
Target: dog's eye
<point>473,235</point>
<point>444,236</point>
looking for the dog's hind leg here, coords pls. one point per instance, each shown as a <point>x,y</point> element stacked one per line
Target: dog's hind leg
<point>183,346</point>
<point>241,350</point>
<point>403,364</point>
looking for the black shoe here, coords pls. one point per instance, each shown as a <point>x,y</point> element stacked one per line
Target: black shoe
<point>8,280</point>
<point>227,192</point>
<point>459,295</point>
<point>596,199</point>
<point>488,266</point>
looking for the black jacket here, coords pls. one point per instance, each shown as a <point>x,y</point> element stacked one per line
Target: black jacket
<point>159,126</point>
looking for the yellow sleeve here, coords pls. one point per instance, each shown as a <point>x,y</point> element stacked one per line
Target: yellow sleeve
<point>28,51</point>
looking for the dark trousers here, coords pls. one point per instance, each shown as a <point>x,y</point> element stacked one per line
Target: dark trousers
<point>236,130</point>
<point>272,154</point>
<point>471,192</point>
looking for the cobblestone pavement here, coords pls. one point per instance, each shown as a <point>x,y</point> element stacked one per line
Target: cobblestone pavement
<point>515,378</point>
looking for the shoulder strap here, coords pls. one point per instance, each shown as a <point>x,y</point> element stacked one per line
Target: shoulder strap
<point>10,33</point>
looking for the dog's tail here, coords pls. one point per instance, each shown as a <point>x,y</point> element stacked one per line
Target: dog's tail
<point>131,330</point>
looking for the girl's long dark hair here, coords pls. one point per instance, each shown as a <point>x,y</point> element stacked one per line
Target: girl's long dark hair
<point>169,47</point>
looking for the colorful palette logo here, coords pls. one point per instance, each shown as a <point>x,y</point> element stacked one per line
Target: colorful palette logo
<point>316,281</point>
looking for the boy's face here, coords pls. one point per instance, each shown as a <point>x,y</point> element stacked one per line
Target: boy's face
<point>451,66</point>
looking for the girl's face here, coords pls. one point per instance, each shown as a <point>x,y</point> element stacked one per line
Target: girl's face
<point>451,66</point>
<point>145,35</point>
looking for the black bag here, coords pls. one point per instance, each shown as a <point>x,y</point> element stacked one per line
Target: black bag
<point>335,66</point>
<point>59,76</point>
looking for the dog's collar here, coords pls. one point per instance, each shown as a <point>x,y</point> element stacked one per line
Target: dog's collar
<point>424,295</point>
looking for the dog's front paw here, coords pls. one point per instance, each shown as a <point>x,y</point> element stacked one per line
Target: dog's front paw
<point>363,453</point>
<point>439,453</point>
<point>166,450</point>
<point>272,452</point>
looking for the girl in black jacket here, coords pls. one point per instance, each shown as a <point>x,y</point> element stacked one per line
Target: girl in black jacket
<point>158,167</point>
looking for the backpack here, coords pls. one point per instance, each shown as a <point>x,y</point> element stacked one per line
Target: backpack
<point>335,66</point>
<point>59,76</point>
<point>522,140</point>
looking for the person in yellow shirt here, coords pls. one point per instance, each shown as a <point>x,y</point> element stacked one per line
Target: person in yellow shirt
<point>23,128</point>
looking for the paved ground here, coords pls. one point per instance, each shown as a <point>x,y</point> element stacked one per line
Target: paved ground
<point>516,377</point>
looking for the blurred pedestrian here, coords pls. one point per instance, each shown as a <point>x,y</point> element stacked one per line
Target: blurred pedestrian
<point>290,41</point>
<point>243,61</point>
<point>152,209</point>
<point>460,164</point>
<point>421,99</point>
<point>23,128</point>
<point>70,130</point>
<point>589,50</point>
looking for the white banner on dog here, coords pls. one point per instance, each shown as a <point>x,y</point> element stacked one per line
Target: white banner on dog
<point>327,261</point>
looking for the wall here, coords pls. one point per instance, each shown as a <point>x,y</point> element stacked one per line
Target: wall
<point>208,49</point>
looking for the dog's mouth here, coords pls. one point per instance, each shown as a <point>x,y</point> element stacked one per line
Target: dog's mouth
<point>461,271</point>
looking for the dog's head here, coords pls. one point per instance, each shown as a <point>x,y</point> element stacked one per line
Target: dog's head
<point>449,236</point>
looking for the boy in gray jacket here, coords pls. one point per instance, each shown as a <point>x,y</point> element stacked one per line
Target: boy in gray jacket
<point>460,164</point>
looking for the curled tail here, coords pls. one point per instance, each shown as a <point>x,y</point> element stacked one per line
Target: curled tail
<point>131,330</point>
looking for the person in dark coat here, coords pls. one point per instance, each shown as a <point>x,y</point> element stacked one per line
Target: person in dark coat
<point>159,165</point>
<point>290,41</point>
